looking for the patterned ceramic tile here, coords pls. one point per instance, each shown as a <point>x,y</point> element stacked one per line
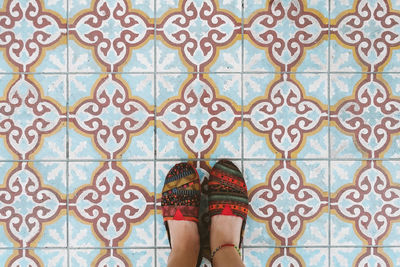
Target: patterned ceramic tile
<point>286,31</point>
<point>99,99</point>
<point>29,113</point>
<point>285,114</point>
<point>345,256</point>
<point>116,202</point>
<point>289,205</point>
<point>257,256</point>
<point>197,114</point>
<point>368,199</point>
<point>199,29</point>
<point>29,31</point>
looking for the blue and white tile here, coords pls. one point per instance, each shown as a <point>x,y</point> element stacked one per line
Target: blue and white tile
<point>233,6</point>
<point>342,59</point>
<point>53,86</point>
<point>142,235</point>
<point>255,146</point>
<point>315,59</point>
<point>80,60</point>
<point>141,60</point>
<point>343,234</point>
<point>168,59</point>
<point>342,173</point>
<point>229,59</point>
<point>83,257</point>
<point>315,172</point>
<point>256,172</point>
<point>81,147</point>
<point>255,85</point>
<point>344,256</point>
<point>316,233</point>
<point>168,147</point>
<point>140,172</point>
<point>314,86</point>
<point>255,59</point>
<point>256,234</point>
<point>53,173</point>
<point>321,6</point>
<point>256,257</point>
<point>229,86</point>
<point>141,146</point>
<point>54,61</point>
<point>81,236</point>
<point>162,237</point>
<point>338,6</point>
<point>141,86</point>
<point>251,6</point>
<point>169,85</point>
<point>5,254</point>
<point>53,147</point>
<point>315,146</point>
<point>314,257</point>
<point>140,257</point>
<point>80,86</point>
<point>342,85</point>
<point>393,243</point>
<point>53,257</point>
<point>80,173</point>
<point>162,257</point>
<point>163,6</point>
<point>342,145</point>
<point>4,242</point>
<point>76,6</point>
<point>393,169</point>
<point>4,64</point>
<point>229,146</point>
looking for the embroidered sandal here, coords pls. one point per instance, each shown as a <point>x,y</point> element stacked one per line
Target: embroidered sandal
<point>227,195</point>
<point>180,198</point>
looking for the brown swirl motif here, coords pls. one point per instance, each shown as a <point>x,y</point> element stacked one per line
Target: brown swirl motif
<point>42,116</point>
<point>219,28</point>
<point>24,50</point>
<point>111,45</point>
<point>111,133</point>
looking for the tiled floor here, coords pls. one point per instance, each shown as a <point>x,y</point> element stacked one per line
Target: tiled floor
<point>98,99</point>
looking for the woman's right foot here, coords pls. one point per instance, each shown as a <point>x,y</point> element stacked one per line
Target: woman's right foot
<point>225,229</point>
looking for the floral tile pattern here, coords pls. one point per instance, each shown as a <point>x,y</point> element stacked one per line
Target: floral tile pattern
<point>98,99</point>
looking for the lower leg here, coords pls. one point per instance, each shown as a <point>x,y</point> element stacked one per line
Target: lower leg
<point>226,230</point>
<point>185,243</point>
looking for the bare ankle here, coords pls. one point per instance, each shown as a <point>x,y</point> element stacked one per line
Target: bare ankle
<point>184,236</point>
<point>225,230</point>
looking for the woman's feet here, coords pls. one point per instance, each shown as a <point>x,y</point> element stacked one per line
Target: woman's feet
<point>228,206</point>
<point>185,243</point>
<point>180,202</point>
<point>184,235</point>
<point>225,229</point>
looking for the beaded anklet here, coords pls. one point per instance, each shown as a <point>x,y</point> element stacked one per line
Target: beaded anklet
<point>225,245</point>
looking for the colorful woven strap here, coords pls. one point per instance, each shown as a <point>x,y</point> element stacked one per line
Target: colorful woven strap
<point>222,246</point>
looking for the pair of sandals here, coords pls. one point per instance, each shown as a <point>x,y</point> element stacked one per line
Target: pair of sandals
<point>227,194</point>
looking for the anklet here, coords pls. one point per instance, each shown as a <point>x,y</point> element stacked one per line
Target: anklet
<point>225,245</point>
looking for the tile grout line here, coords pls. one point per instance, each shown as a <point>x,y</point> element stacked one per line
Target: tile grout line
<point>329,133</point>
<point>167,247</point>
<point>67,138</point>
<point>241,97</point>
<point>155,131</point>
<point>197,72</point>
<point>203,159</point>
